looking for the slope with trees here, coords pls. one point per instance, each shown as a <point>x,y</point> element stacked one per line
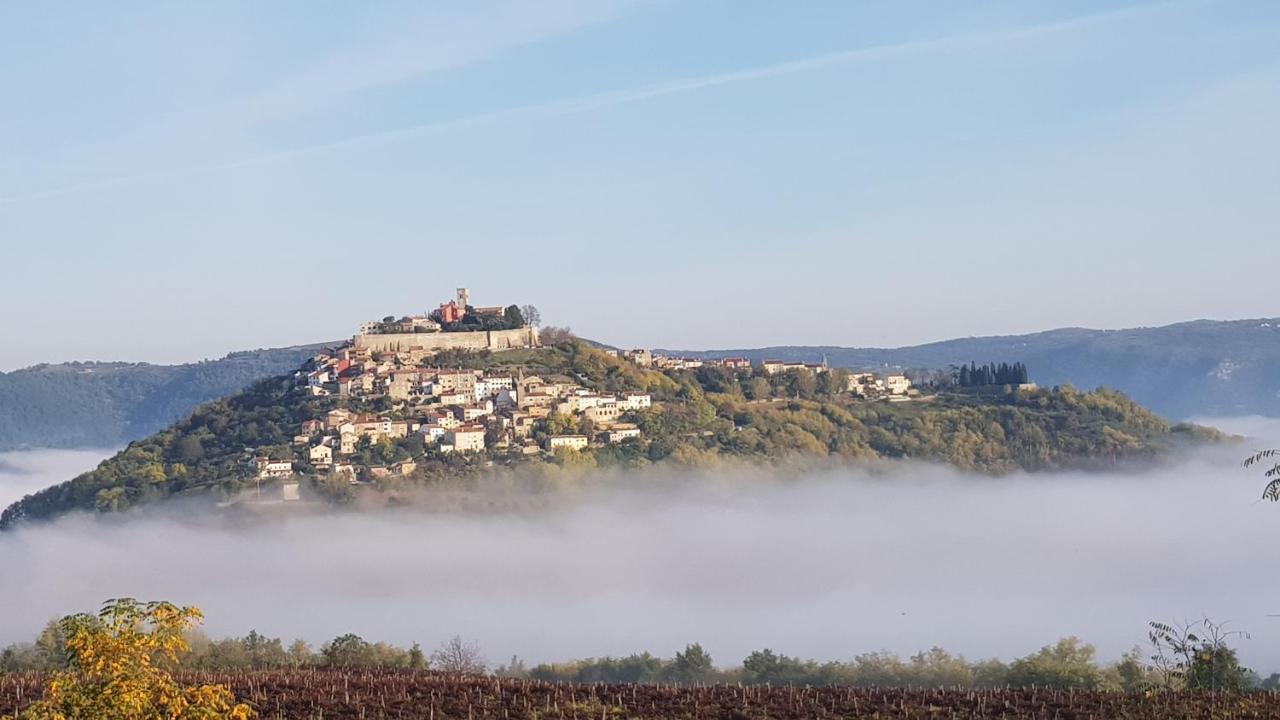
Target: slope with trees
<point>1202,368</point>
<point>699,418</point>
<point>100,405</point>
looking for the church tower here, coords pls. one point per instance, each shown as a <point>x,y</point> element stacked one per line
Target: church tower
<point>464,299</point>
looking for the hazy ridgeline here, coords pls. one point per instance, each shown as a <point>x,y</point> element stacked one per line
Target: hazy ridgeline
<point>829,566</point>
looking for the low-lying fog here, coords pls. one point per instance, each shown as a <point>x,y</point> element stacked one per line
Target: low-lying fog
<point>826,566</point>
<point>25,472</point>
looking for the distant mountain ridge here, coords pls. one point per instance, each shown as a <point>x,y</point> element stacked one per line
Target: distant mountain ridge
<point>1196,368</point>
<point>107,404</point>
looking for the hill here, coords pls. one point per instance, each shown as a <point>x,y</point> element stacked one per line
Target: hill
<point>107,404</point>
<point>1199,368</point>
<point>348,424</point>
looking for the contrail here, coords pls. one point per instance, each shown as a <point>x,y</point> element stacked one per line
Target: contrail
<point>599,101</point>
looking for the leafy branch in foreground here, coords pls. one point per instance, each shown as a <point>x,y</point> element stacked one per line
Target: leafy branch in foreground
<point>1272,490</point>
<point>117,669</point>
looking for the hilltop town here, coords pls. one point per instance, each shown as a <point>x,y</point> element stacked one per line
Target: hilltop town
<point>462,392</point>
<point>392,386</point>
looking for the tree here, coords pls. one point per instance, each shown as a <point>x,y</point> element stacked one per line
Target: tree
<point>114,673</point>
<point>458,656</point>
<point>190,449</point>
<point>1130,672</point>
<point>347,651</point>
<point>1272,490</point>
<point>417,660</point>
<point>552,335</point>
<point>513,317</point>
<point>263,652</point>
<point>559,423</point>
<point>1067,664</point>
<point>531,315</point>
<point>51,646</point>
<point>514,669</point>
<point>692,666</point>
<point>759,388</point>
<point>761,666</point>
<point>974,375</point>
<point>801,383</point>
<point>300,653</point>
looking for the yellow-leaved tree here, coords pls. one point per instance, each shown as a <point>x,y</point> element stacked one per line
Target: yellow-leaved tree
<point>118,669</point>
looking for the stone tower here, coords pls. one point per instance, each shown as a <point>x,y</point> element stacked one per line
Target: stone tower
<point>464,299</point>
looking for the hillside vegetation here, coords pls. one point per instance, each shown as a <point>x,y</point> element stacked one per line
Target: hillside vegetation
<point>95,404</point>
<point>1201,368</point>
<point>699,418</point>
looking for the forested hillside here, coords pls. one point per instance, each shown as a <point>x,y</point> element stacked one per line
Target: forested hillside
<point>700,418</point>
<point>97,404</point>
<point>1200,368</point>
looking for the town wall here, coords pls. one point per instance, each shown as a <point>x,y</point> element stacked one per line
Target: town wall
<point>480,340</point>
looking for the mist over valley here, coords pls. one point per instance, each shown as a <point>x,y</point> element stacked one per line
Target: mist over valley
<point>829,565</point>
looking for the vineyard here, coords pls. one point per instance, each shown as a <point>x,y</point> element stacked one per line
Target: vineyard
<point>390,694</point>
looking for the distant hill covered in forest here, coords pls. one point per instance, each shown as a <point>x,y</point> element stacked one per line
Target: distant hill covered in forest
<point>1198,368</point>
<point>108,404</point>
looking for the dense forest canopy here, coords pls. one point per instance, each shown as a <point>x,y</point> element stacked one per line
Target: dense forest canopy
<point>700,418</point>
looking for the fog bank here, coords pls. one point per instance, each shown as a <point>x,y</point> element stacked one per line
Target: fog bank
<point>26,471</point>
<point>825,566</point>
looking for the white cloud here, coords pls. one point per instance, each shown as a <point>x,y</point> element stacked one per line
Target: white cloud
<point>413,54</point>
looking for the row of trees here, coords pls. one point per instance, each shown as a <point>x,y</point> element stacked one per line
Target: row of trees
<point>974,375</point>
<point>50,652</point>
<point>1195,656</point>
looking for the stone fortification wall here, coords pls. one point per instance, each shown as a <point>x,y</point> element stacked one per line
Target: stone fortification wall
<point>482,340</point>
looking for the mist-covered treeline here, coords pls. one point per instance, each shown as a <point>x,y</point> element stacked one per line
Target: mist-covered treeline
<point>1066,664</point>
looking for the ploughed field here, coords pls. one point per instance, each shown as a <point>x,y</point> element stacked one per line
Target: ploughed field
<point>370,694</point>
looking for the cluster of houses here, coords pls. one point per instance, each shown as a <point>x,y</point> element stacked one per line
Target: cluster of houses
<point>894,387</point>
<point>453,410</point>
<point>391,390</point>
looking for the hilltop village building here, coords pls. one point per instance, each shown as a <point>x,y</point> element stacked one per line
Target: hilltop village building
<point>474,328</point>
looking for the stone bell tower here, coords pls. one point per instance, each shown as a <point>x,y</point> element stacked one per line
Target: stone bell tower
<point>464,299</point>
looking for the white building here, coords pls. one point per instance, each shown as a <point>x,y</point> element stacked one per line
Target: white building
<point>897,384</point>
<point>321,455</point>
<point>575,442</point>
<point>635,401</point>
<point>467,438</point>
<point>618,433</point>
<point>268,468</point>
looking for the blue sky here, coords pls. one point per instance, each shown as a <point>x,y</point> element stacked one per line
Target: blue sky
<point>181,180</point>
